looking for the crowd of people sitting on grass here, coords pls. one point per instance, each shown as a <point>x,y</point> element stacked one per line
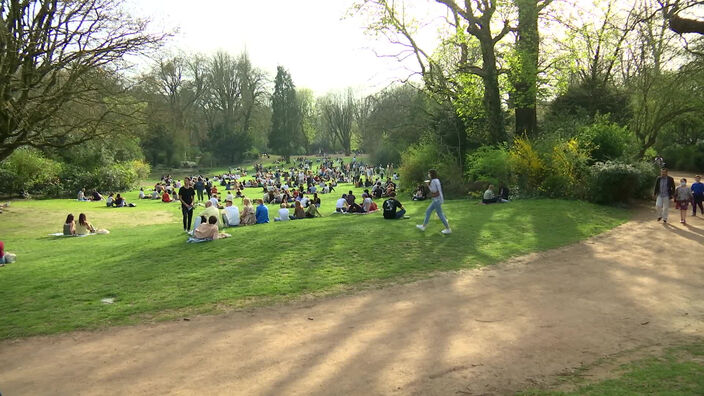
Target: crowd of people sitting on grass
<point>295,190</point>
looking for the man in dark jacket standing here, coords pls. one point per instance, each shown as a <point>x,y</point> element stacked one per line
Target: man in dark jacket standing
<point>664,190</point>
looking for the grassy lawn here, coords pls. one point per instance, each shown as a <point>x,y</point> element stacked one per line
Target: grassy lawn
<point>679,371</point>
<point>146,266</point>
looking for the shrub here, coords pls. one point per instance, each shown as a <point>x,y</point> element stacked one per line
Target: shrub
<point>567,168</point>
<point>608,140</point>
<point>416,161</point>
<point>527,166</point>
<point>489,165</point>
<point>26,170</point>
<point>616,182</point>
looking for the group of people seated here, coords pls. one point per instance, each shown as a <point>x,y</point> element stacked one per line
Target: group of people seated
<point>117,201</point>
<point>94,196</point>
<point>347,204</point>
<point>490,197</point>
<point>82,227</point>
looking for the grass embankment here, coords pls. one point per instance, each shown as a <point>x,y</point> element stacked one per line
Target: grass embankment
<point>678,371</point>
<point>146,266</point>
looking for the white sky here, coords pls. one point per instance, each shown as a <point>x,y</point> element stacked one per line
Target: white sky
<point>321,50</point>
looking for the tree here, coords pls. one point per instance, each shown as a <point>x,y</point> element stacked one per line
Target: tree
<point>286,118</point>
<point>50,51</point>
<point>524,74</point>
<point>339,112</point>
<point>681,24</point>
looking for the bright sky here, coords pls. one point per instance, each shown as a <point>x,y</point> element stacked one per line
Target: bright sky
<point>321,50</point>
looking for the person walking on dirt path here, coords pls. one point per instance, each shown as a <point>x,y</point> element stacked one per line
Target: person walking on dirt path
<point>187,194</point>
<point>664,191</point>
<point>698,194</point>
<point>436,202</point>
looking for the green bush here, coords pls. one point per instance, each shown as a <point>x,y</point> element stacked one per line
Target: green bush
<point>26,170</point>
<point>419,158</point>
<point>684,157</point>
<point>489,165</point>
<point>608,140</point>
<point>616,182</point>
<point>385,153</point>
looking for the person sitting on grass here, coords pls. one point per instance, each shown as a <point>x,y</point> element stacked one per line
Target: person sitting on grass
<point>262,213</point>
<point>230,215</point>
<point>84,227</point>
<point>341,205</point>
<point>165,197</point>
<point>391,208</point>
<point>141,193</point>
<point>82,195</point>
<point>313,211</point>
<point>283,212</point>
<point>96,196</point>
<point>489,196</point>
<point>247,216</point>
<point>209,210</point>
<point>207,229</point>
<point>119,201</point>
<point>298,212</point>
<point>70,226</point>
<point>110,201</point>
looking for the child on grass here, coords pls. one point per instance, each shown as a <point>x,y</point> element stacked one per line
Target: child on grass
<point>683,195</point>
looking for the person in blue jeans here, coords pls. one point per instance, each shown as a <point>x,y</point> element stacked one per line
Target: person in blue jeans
<point>436,202</point>
<point>698,195</point>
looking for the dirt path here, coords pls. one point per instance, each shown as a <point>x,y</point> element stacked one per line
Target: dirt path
<point>490,331</point>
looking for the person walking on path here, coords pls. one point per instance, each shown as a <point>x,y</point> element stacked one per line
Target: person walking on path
<point>187,194</point>
<point>698,195</point>
<point>436,202</point>
<point>664,191</point>
<point>683,196</point>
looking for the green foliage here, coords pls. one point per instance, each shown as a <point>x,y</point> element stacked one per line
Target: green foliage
<point>688,157</point>
<point>386,152</point>
<point>489,165</point>
<point>419,158</point>
<point>617,182</point>
<point>286,127</point>
<point>527,165</point>
<point>566,170</point>
<point>25,170</point>
<point>608,140</point>
<point>587,100</point>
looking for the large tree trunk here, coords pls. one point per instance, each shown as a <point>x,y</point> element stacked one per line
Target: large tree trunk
<point>492,95</point>
<point>525,83</point>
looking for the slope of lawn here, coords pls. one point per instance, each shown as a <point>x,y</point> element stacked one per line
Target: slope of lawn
<point>149,270</point>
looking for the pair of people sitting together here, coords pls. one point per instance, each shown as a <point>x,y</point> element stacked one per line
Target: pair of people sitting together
<point>298,212</point>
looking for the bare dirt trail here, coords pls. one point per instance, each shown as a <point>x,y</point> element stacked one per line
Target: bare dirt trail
<point>489,331</point>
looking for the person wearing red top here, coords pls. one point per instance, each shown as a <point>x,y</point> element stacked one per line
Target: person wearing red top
<point>165,197</point>
<point>2,253</point>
